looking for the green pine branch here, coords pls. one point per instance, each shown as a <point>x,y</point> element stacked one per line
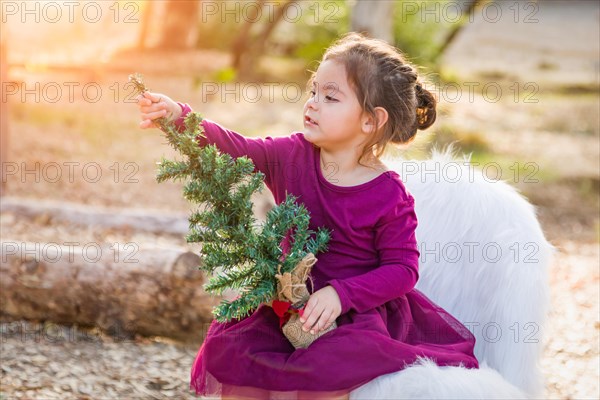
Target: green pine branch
<point>237,253</point>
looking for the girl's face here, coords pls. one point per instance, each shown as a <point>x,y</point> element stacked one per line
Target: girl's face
<point>333,117</point>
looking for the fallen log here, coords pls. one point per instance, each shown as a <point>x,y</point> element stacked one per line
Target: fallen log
<point>122,290</point>
<point>85,216</point>
<point>144,220</point>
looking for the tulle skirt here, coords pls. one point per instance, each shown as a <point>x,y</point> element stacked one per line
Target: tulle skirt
<point>251,358</point>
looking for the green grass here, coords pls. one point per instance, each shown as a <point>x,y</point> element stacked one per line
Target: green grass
<point>496,166</point>
<point>588,187</point>
<point>547,66</point>
<point>80,124</point>
<point>44,115</point>
<point>515,170</point>
<point>573,118</point>
<point>465,141</point>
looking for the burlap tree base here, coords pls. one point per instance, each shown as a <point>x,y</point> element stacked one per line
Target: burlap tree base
<point>292,295</point>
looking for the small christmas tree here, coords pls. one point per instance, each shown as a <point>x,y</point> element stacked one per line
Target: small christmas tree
<point>237,253</point>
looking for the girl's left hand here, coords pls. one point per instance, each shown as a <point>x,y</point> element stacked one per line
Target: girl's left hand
<point>321,311</point>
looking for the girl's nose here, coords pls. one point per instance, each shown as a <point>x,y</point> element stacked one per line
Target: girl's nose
<point>312,103</point>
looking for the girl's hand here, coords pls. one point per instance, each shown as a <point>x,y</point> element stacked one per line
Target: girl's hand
<point>155,105</point>
<point>322,309</point>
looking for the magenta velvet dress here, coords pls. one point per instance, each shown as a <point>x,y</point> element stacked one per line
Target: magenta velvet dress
<point>372,263</point>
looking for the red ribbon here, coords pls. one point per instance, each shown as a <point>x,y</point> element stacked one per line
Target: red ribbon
<point>284,310</point>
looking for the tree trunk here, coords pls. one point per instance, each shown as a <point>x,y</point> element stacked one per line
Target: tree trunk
<point>374,19</point>
<point>180,24</point>
<point>3,107</point>
<point>470,8</point>
<point>240,43</point>
<point>247,51</point>
<point>123,291</point>
<point>145,24</point>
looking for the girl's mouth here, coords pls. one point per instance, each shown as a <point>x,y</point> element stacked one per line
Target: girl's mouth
<point>309,121</point>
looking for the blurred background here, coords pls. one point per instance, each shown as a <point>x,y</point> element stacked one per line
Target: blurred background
<point>518,89</point>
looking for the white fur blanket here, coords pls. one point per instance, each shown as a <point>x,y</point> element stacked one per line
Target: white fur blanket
<point>484,259</point>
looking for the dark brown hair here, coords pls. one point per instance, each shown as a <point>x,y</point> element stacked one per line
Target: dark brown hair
<point>381,77</point>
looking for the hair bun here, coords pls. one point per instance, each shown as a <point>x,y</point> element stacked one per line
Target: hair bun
<point>426,104</point>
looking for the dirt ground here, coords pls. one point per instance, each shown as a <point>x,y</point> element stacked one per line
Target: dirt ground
<point>557,136</point>
<point>100,366</point>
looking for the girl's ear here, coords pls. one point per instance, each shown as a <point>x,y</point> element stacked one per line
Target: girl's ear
<point>368,125</point>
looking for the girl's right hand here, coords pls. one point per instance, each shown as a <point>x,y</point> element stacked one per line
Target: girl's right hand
<point>156,105</point>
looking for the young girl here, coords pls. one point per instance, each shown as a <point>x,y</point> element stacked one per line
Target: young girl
<point>363,96</point>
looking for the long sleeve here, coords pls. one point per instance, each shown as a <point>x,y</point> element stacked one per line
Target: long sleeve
<point>397,274</point>
<point>264,152</point>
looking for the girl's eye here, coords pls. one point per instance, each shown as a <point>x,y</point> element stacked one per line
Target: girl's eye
<point>312,93</point>
<point>329,98</point>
